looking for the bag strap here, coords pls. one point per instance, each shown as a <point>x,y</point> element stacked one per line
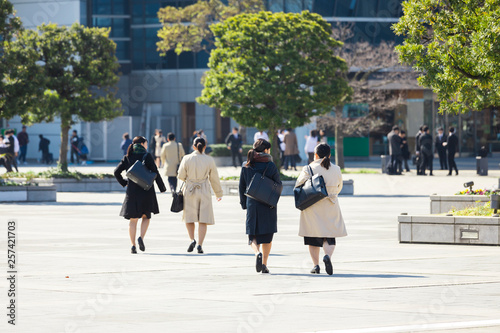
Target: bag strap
<point>264,173</point>
<point>311,170</point>
<point>178,154</point>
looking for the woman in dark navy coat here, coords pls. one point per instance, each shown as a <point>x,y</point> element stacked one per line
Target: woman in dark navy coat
<point>138,204</point>
<point>261,219</point>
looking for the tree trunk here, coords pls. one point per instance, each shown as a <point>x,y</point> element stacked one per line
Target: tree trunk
<point>63,150</point>
<point>275,149</point>
<point>339,138</point>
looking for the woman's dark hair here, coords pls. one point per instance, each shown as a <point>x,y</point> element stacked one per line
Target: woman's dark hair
<point>199,143</point>
<point>313,133</point>
<point>324,151</point>
<point>137,140</point>
<point>258,147</point>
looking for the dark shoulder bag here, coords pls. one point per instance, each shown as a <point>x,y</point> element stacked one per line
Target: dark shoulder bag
<point>140,174</point>
<point>177,201</point>
<point>312,191</point>
<point>264,189</point>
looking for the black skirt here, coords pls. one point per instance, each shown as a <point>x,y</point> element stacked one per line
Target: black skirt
<point>318,241</point>
<point>261,239</point>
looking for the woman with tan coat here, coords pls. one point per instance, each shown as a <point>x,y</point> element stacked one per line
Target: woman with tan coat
<point>198,172</point>
<point>322,223</point>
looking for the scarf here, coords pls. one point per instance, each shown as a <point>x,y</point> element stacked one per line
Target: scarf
<point>138,149</point>
<point>263,157</point>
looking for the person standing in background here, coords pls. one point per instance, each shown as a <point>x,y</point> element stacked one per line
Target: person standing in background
<point>418,158</point>
<point>281,137</point>
<point>452,147</point>
<point>426,151</point>
<point>291,150</point>
<point>234,143</point>
<point>441,149</point>
<point>43,146</point>
<point>260,135</point>
<point>152,145</point>
<point>311,143</point>
<point>12,147</point>
<point>159,141</point>
<point>405,150</point>
<point>171,156</point>
<point>395,151</point>
<point>4,159</point>
<point>74,142</point>
<point>23,138</point>
<point>125,143</point>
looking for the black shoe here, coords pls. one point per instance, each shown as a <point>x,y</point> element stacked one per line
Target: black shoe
<point>456,173</point>
<point>258,263</point>
<point>141,244</point>
<point>200,250</point>
<point>191,246</point>
<point>431,174</point>
<point>328,264</point>
<point>449,174</point>
<point>133,250</point>
<point>264,269</point>
<point>315,270</point>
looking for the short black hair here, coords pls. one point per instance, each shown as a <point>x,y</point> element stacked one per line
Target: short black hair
<point>452,129</point>
<point>171,136</point>
<point>235,128</point>
<point>421,127</point>
<point>425,128</point>
<point>440,129</point>
<point>403,132</point>
<point>395,128</point>
<point>75,131</point>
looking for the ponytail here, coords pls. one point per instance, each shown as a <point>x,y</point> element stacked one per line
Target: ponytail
<point>250,158</point>
<point>199,143</point>
<point>324,151</point>
<point>137,140</point>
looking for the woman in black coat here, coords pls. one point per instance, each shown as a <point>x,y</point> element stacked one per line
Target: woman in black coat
<point>138,204</point>
<point>261,219</point>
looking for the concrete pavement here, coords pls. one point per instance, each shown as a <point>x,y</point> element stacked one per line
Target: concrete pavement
<point>77,274</point>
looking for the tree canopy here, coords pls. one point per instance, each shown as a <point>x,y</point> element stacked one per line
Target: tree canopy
<point>65,72</point>
<point>188,28</point>
<point>10,25</point>
<point>456,47</point>
<point>274,70</point>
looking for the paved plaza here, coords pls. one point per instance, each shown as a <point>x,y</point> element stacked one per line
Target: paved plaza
<point>76,273</point>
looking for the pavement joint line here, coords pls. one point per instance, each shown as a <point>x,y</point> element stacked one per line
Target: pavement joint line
<point>379,288</point>
<point>421,327</point>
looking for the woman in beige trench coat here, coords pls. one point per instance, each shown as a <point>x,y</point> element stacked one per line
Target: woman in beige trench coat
<point>198,172</point>
<point>322,223</point>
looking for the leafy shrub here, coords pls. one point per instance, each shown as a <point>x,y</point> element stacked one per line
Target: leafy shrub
<point>220,150</point>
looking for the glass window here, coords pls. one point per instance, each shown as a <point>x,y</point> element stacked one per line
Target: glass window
<point>366,8</point>
<point>184,3</point>
<point>152,13</point>
<point>308,5</point>
<point>355,110</point>
<point>324,7</point>
<point>275,5</point>
<point>138,58</point>
<point>390,8</point>
<point>119,7</point>
<point>153,59</point>
<point>170,60</point>
<point>138,34</point>
<point>101,22</point>
<point>102,7</point>
<point>343,8</point>
<point>293,6</point>
<point>186,60</point>
<point>120,28</point>
<point>137,13</point>
<point>168,4</point>
<point>202,59</point>
<point>122,50</point>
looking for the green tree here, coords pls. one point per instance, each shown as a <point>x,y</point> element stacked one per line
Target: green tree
<point>188,28</point>
<point>10,25</point>
<point>68,73</point>
<point>456,47</point>
<point>274,70</point>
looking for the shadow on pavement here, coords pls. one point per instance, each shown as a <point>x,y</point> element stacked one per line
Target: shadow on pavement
<point>378,276</point>
<point>208,254</point>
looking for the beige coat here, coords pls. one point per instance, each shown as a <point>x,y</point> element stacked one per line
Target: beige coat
<point>198,171</point>
<point>291,147</point>
<point>324,218</point>
<point>159,141</point>
<point>171,156</point>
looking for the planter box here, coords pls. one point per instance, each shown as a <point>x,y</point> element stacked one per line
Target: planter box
<point>74,185</point>
<point>231,187</point>
<point>28,194</point>
<point>444,203</point>
<point>224,161</point>
<point>433,229</point>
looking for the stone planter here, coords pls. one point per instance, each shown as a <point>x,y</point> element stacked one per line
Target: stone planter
<point>74,185</point>
<point>224,161</point>
<point>28,193</point>
<point>444,203</point>
<point>433,229</point>
<point>230,187</point>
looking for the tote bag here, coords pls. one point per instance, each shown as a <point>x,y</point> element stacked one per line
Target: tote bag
<point>264,189</point>
<point>140,174</point>
<point>312,191</point>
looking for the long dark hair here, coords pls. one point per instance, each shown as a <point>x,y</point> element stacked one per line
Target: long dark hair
<point>324,151</point>
<point>258,147</point>
<point>199,143</point>
<point>138,140</point>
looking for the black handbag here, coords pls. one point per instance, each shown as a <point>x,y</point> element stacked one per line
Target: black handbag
<point>264,189</point>
<point>312,191</point>
<point>140,174</point>
<point>177,201</point>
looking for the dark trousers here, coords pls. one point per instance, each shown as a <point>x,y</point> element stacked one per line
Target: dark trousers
<point>172,181</point>
<point>289,161</point>
<point>442,159</point>
<point>22,153</point>
<point>406,165</point>
<point>13,162</point>
<point>46,157</point>
<point>451,163</point>
<point>74,152</point>
<point>236,155</point>
<point>427,160</point>
<point>6,163</point>
<point>396,163</point>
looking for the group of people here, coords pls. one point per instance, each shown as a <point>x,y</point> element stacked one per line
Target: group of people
<point>320,224</point>
<point>13,148</point>
<point>426,146</point>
